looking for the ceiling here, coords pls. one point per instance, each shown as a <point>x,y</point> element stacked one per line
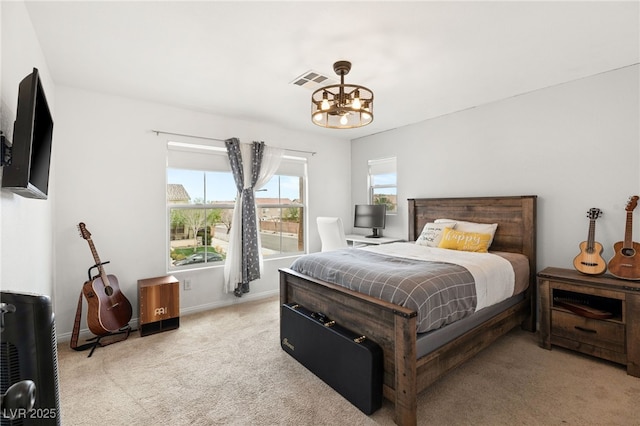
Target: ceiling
<point>421,59</point>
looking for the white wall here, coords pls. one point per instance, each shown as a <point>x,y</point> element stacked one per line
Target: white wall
<point>575,145</point>
<point>26,245</point>
<point>111,175</point>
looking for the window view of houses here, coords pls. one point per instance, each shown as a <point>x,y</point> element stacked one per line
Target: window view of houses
<point>199,227</point>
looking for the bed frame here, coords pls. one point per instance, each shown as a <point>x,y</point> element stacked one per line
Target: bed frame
<point>394,327</point>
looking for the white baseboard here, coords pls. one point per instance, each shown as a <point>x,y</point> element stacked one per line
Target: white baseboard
<point>86,334</point>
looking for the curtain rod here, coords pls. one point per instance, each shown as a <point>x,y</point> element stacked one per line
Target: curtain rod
<point>157,132</point>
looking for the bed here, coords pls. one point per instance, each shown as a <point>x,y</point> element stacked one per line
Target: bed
<point>409,368</point>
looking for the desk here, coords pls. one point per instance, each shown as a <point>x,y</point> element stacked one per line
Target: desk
<point>356,240</point>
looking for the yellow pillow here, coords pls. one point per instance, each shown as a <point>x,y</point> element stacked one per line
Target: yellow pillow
<point>465,241</point>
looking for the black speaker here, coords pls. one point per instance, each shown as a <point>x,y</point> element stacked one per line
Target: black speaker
<point>28,361</point>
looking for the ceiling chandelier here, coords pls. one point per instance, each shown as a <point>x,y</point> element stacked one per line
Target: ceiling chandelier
<point>342,106</point>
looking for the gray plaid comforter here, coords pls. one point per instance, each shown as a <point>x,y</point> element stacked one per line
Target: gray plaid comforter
<point>439,292</point>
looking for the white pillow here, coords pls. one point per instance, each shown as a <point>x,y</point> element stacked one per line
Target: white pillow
<point>480,228</point>
<point>432,234</point>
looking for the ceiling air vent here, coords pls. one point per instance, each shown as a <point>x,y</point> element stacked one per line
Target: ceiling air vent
<point>313,80</point>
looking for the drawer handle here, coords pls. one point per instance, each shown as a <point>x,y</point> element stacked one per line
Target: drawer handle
<point>586,330</point>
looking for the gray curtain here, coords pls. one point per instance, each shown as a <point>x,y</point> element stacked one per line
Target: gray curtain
<point>248,247</point>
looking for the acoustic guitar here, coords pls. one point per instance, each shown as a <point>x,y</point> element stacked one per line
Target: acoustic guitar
<point>582,310</point>
<point>625,262</point>
<point>109,310</point>
<point>590,260</point>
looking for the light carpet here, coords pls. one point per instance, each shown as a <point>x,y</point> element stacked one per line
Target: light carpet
<point>226,367</point>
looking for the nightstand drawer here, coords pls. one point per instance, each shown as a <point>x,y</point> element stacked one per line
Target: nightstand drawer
<point>604,334</point>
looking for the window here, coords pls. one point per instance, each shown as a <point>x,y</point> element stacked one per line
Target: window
<point>383,188</point>
<point>201,199</point>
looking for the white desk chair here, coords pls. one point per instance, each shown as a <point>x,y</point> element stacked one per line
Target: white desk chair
<point>331,233</point>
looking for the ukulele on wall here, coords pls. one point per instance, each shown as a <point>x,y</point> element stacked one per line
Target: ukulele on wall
<point>590,260</point>
<point>109,310</point>
<point>625,262</point>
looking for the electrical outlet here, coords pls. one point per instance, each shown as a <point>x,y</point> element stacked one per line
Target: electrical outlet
<point>187,284</point>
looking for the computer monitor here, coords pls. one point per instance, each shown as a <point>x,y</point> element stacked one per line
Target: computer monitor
<point>370,216</point>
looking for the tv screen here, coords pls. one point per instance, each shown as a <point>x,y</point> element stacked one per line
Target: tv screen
<point>370,216</point>
<point>28,172</point>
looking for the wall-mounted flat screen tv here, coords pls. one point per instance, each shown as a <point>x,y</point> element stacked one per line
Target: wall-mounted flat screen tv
<point>28,173</point>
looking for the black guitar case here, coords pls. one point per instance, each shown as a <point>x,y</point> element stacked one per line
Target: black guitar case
<point>348,362</point>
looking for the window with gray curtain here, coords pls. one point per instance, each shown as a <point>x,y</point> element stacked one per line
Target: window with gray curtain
<point>201,194</point>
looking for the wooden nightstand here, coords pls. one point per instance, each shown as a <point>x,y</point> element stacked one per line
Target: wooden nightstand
<point>616,339</point>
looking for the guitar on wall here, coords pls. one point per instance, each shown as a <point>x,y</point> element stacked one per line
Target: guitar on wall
<point>590,260</point>
<point>109,310</point>
<point>625,262</point>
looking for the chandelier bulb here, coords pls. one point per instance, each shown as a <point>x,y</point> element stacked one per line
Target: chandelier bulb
<point>325,102</point>
<point>344,120</point>
<point>356,100</point>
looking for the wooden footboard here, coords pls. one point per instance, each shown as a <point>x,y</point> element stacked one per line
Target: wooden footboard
<point>391,326</point>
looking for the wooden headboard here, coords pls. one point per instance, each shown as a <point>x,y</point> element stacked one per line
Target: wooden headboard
<point>515,216</point>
